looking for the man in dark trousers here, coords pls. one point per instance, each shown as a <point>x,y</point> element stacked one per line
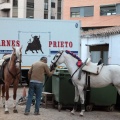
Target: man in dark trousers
<point>36,76</point>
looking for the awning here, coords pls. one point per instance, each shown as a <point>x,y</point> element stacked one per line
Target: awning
<point>97,44</point>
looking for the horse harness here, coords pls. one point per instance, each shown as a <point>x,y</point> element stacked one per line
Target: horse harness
<point>80,66</point>
<point>5,62</point>
<point>14,76</point>
<point>79,63</point>
<point>54,63</point>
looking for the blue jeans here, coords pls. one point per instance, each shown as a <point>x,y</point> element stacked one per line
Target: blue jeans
<point>37,89</point>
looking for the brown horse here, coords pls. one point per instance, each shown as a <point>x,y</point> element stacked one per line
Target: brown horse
<point>11,75</point>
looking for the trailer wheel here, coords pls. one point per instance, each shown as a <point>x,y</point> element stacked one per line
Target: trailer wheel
<point>89,108</point>
<point>59,107</point>
<point>111,108</point>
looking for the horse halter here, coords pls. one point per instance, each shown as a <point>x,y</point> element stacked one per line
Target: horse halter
<point>16,59</point>
<point>54,63</point>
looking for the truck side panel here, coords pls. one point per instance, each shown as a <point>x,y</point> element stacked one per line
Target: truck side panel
<point>52,35</point>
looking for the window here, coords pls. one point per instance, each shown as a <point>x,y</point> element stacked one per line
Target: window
<point>15,8</point>
<point>15,3</point>
<point>30,9</point>
<point>30,13</point>
<point>45,14</point>
<point>52,17</point>
<point>82,11</point>
<point>88,11</point>
<point>75,12</point>
<point>15,12</point>
<point>106,10</point>
<point>59,9</point>
<point>52,5</point>
<point>59,6</point>
<point>46,5</point>
<point>99,51</point>
<point>58,15</point>
<point>118,8</point>
<point>30,4</point>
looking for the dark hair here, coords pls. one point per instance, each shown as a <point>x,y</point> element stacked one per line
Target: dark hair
<point>43,58</point>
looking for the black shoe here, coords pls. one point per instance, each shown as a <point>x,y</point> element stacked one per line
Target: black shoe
<point>36,113</point>
<point>26,113</point>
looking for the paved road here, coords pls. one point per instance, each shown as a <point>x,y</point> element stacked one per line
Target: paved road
<point>54,114</point>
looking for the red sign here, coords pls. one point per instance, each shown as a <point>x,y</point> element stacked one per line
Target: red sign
<point>61,44</point>
<point>10,43</point>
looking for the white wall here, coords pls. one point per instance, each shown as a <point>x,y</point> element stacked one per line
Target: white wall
<point>84,49</point>
<point>114,47</point>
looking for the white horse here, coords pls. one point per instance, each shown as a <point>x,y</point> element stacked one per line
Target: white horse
<point>110,74</point>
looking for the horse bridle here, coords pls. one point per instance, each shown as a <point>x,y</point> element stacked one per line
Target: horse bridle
<point>17,61</point>
<point>54,63</point>
<point>14,76</point>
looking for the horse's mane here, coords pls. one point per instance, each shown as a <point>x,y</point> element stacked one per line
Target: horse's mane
<point>73,55</point>
<point>79,63</point>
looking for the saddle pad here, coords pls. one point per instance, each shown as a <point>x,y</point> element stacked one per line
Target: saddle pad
<point>93,68</point>
<point>4,58</point>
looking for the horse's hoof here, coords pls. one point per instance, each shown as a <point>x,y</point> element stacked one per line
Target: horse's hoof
<point>72,112</point>
<point>81,114</point>
<point>6,112</point>
<point>15,111</point>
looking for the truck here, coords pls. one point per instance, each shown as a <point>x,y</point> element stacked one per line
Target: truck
<point>39,37</point>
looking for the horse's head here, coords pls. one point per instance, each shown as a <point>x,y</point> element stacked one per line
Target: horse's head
<point>17,54</point>
<point>57,60</point>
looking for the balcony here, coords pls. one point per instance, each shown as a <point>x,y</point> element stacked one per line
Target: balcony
<point>5,6</point>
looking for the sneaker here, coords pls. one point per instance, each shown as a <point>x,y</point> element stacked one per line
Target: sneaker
<point>26,113</point>
<point>36,113</point>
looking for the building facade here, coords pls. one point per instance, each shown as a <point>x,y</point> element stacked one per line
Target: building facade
<point>43,9</point>
<point>93,13</point>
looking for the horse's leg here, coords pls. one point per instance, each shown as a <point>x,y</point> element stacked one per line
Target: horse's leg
<point>75,100</point>
<point>41,50</point>
<point>82,99</point>
<point>36,51</point>
<point>15,86</point>
<point>7,97</point>
<point>32,51</point>
<point>3,95</point>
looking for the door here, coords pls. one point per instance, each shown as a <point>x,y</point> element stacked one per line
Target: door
<point>99,51</point>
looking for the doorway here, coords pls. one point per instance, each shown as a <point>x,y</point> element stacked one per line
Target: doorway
<point>99,51</point>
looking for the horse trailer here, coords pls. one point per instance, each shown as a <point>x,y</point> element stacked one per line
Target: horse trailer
<point>39,38</point>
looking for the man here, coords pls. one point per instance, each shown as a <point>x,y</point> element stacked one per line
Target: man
<point>36,76</point>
